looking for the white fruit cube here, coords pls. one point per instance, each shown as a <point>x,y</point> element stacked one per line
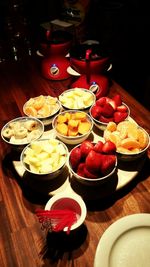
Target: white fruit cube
<point>34,168</point>
<point>61,149</point>
<point>42,156</point>
<point>36,146</point>
<point>29,151</point>
<point>46,168</point>
<point>34,161</point>
<point>61,160</point>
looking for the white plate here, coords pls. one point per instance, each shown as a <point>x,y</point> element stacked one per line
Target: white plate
<point>125,243</point>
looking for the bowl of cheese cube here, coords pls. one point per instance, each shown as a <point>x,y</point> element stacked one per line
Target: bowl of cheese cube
<point>77,99</point>
<point>72,126</point>
<point>44,157</point>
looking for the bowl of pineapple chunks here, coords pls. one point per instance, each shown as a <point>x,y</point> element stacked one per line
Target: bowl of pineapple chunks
<point>131,140</point>
<point>44,157</point>
<point>72,127</point>
<point>42,107</point>
<point>77,99</point>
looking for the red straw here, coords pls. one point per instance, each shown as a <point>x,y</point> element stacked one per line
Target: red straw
<point>56,220</point>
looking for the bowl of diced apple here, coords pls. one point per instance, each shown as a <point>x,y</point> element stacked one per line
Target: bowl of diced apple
<point>72,126</point>
<point>44,157</point>
<point>131,140</point>
<point>42,107</point>
<point>77,98</point>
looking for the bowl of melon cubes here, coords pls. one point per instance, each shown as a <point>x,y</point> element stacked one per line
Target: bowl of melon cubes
<point>131,140</point>
<point>77,99</point>
<point>72,126</point>
<point>44,158</point>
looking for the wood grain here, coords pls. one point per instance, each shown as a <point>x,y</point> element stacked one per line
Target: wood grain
<point>22,242</point>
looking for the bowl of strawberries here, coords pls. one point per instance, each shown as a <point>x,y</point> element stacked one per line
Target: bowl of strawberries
<point>93,163</point>
<point>107,109</point>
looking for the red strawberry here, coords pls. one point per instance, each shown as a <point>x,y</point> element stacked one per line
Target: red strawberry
<point>122,108</point>
<point>108,164</point>
<point>89,174</point>
<point>75,157</point>
<point>98,147</point>
<point>80,169</point>
<point>86,147</point>
<point>120,116</point>
<point>96,111</point>
<point>112,102</point>
<point>117,99</point>
<point>109,147</point>
<point>93,161</point>
<point>107,110</point>
<point>101,101</point>
<point>104,119</point>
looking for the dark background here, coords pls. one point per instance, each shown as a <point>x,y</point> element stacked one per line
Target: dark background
<point>122,27</point>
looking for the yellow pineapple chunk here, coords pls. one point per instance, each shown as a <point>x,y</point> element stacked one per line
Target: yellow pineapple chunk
<point>84,127</point>
<point>61,119</point>
<point>62,128</point>
<point>72,131</point>
<point>73,123</point>
<point>80,116</point>
<point>68,116</point>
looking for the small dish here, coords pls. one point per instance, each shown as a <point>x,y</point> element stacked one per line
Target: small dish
<point>131,140</point>
<point>44,157</point>
<point>77,99</point>
<point>90,166</point>
<point>73,202</point>
<point>101,124</point>
<point>72,135</point>
<point>42,107</point>
<point>21,131</point>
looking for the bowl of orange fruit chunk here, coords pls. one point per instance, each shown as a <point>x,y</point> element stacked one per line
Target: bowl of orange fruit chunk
<point>131,140</point>
<point>42,107</point>
<point>72,126</point>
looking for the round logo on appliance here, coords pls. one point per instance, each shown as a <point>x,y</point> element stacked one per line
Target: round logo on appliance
<point>94,87</point>
<point>54,70</point>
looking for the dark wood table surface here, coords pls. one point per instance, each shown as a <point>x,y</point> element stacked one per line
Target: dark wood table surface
<point>22,242</point>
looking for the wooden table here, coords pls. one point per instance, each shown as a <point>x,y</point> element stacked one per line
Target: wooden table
<point>22,242</point>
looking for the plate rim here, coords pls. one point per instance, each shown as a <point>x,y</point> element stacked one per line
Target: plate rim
<point>118,227</point>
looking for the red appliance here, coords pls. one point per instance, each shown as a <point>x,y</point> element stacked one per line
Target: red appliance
<point>54,47</point>
<point>92,63</point>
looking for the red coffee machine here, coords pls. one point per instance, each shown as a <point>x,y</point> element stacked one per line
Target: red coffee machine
<point>54,47</point>
<point>92,63</point>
